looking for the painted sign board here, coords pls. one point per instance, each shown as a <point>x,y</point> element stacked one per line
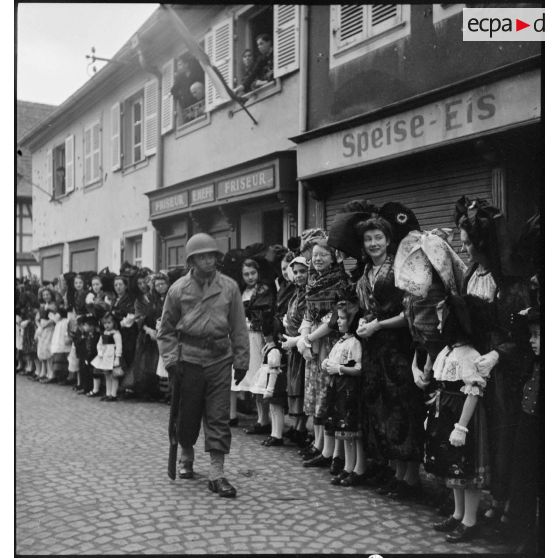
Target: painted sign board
<point>496,105</point>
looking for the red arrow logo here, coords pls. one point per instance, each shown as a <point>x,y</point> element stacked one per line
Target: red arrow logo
<point>519,25</point>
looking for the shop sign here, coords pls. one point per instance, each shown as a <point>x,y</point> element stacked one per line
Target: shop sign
<point>169,203</point>
<point>204,194</point>
<point>261,179</point>
<point>507,102</point>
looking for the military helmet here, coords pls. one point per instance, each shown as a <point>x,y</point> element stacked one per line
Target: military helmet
<point>201,243</point>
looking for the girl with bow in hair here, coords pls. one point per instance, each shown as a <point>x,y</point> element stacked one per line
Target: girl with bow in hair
<point>456,431</point>
<point>45,329</point>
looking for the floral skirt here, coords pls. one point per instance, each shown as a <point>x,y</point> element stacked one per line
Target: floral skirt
<point>315,382</point>
<point>343,406</point>
<point>465,466</point>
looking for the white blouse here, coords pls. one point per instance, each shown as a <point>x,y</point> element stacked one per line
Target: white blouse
<point>482,284</point>
<point>458,363</point>
<point>345,350</point>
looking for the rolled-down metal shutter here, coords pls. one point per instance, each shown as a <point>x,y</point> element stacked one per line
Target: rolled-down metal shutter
<point>431,191</point>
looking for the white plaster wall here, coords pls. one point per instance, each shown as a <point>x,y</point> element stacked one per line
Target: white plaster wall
<point>230,141</point>
<point>108,209</point>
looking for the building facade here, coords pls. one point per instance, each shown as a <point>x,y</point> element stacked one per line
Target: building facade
<point>28,115</point>
<point>132,167</point>
<point>377,101</point>
<point>401,108</point>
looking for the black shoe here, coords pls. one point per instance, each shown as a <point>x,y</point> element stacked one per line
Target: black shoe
<point>462,533</point>
<point>353,479</point>
<point>338,478</point>
<point>271,441</point>
<point>185,469</point>
<point>290,434</point>
<point>447,526</point>
<point>309,453</point>
<point>318,461</point>
<point>222,487</point>
<point>233,421</point>
<point>337,465</point>
<point>93,394</point>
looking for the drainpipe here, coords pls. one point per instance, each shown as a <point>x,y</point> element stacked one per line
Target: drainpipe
<point>160,149</point>
<point>302,107</point>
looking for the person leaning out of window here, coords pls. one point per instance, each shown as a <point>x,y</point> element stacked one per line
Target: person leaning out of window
<point>262,70</point>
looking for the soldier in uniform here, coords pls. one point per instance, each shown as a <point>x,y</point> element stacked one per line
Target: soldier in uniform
<point>203,331</point>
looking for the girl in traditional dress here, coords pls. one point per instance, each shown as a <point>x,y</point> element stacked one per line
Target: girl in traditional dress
<point>146,383</point>
<point>124,312</point>
<point>45,329</point>
<point>493,278</point>
<point>326,279</point>
<point>456,432</point>
<point>95,299</point>
<point>60,346</point>
<point>296,363</point>
<point>109,352</point>
<point>344,365</point>
<point>259,299</point>
<point>77,307</point>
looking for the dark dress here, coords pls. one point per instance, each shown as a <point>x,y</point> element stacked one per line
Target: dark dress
<point>391,404</point>
<point>121,308</point>
<point>504,389</point>
<point>296,363</point>
<point>146,384</point>
<point>86,351</point>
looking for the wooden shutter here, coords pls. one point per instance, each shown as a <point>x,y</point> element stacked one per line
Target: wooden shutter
<point>87,155</point>
<point>115,147</point>
<point>96,152</point>
<point>219,48</point>
<point>286,24</point>
<point>49,177</point>
<point>383,17</point>
<point>349,26</point>
<point>167,100</point>
<point>150,135</point>
<point>69,160</point>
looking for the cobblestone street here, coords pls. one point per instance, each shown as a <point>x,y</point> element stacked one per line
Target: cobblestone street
<point>91,479</point>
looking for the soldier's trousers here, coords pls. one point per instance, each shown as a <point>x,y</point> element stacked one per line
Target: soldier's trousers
<point>204,394</point>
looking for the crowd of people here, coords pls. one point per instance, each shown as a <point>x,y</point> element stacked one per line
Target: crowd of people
<point>385,350</point>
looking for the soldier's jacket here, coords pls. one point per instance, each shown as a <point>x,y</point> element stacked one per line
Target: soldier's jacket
<point>204,326</point>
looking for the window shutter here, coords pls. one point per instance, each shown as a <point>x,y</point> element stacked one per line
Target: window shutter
<point>383,17</point>
<point>221,57</point>
<point>87,155</point>
<point>115,137</point>
<point>49,177</point>
<point>350,24</point>
<point>167,100</point>
<point>209,89</point>
<point>69,159</point>
<point>150,92</point>
<point>96,159</point>
<point>286,49</point>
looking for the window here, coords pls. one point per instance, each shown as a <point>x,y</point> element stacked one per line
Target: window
<point>136,251</point>
<point>133,130</point>
<point>60,168</point>
<point>357,29</point>
<point>83,254</point>
<point>134,127</point>
<point>92,153</point>
<point>59,165</point>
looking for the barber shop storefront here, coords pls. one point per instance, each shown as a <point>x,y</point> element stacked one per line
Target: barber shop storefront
<point>248,203</point>
<point>483,142</point>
